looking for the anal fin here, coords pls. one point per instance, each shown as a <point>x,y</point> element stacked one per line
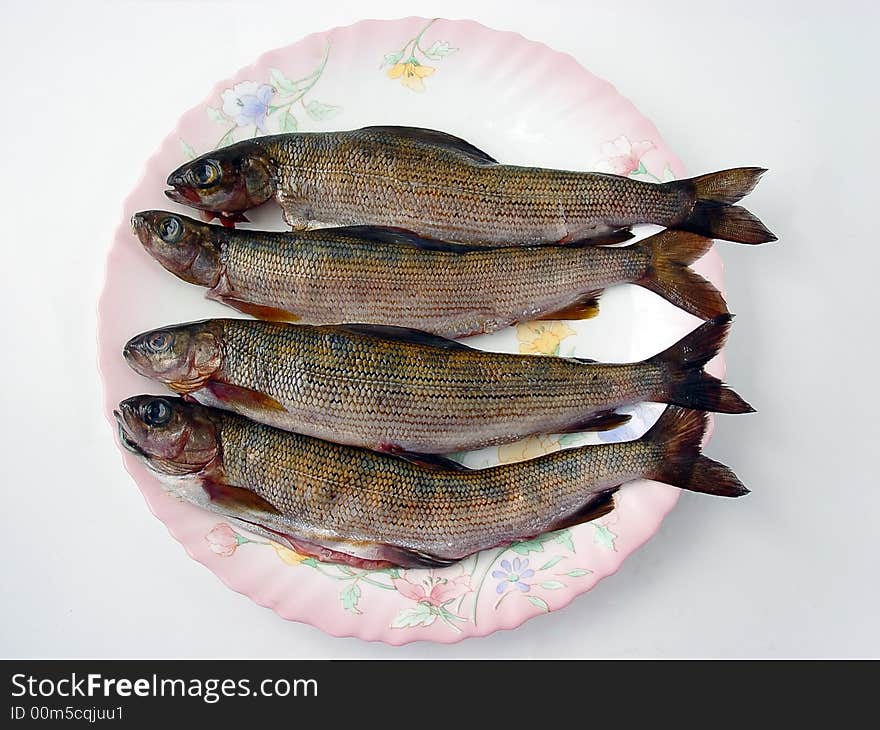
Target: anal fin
<point>584,307</point>
<point>428,461</point>
<point>602,421</point>
<point>610,238</point>
<point>594,509</point>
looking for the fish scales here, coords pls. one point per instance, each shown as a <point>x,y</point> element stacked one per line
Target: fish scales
<point>398,389</point>
<point>323,279</point>
<point>356,506</point>
<point>347,386</point>
<point>321,488</point>
<point>387,276</point>
<point>369,176</point>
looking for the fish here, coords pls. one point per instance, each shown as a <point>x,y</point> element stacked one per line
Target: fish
<point>407,392</point>
<point>347,505</point>
<point>374,275</point>
<point>442,187</point>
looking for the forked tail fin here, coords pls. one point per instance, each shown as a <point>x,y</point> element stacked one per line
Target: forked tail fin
<point>714,214</point>
<point>678,434</point>
<point>669,255</point>
<point>686,383</point>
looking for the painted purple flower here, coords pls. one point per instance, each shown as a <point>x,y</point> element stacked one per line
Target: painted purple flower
<point>513,574</point>
<point>248,103</point>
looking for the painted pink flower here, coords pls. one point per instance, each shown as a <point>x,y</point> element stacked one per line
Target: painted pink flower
<point>223,540</point>
<point>621,156</point>
<point>434,590</point>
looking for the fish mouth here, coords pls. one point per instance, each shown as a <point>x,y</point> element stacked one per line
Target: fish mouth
<point>125,438</point>
<point>184,195</point>
<point>132,355</point>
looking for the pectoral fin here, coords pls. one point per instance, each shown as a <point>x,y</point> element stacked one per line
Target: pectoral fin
<point>358,554</point>
<point>244,397</point>
<point>260,311</point>
<point>237,501</point>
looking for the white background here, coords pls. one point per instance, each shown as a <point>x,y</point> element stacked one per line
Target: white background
<point>90,88</point>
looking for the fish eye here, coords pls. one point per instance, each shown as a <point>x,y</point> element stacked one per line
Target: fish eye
<point>159,341</point>
<point>170,230</point>
<point>205,174</point>
<point>156,412</point>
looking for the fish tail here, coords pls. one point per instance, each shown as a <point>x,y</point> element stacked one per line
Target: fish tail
<point>668,274</point>
<point>714,214</point>
<point>679,435</point>
<point>686,383</point>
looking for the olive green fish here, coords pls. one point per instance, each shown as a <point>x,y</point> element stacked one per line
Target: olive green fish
<point>355,506</point>
<point>401,390</point>
<point>383,276</point>
<point>442,187</point>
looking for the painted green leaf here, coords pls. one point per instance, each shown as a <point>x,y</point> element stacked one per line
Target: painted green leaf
<point>550,563</point>
<point>578,572</point>
<point>604,537</point>
<point>531,546</point>
<point>439,50</point>
<point>421,615</point>
<point>391,572</point>
<point>288,122</point>
<point>319,112</point>
<point>311,562</point>
<point>282,84</point>
<point>391,58</point>
<point>552,585</point>
<point>350,597</point>
<point>226,139</point>
<point>563,537</point>
<point>215,115</point>
<point>188,151</point>
<point>540,603</point>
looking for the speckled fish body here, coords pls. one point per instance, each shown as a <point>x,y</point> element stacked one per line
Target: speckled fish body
<point>380,276</point>
<point>443,187</point>
<point>400,390</point>
<point>348,504</point>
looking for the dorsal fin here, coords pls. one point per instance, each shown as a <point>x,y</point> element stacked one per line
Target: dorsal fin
<point>402,334</point>
<point>390,234</point>
<point>437,139</point>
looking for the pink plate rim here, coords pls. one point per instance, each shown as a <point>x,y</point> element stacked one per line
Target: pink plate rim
<point>311,613</point>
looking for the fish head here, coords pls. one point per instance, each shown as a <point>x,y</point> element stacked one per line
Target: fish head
<point>188,248</point>
<point>172,436</point>
<point>183,357</point>
<point>228,180</point>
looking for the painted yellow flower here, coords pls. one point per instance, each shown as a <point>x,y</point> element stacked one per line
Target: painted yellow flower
<point>287,555</point>
<point>410,74</point>
<point>542,338</point>
<point>529,448</point>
